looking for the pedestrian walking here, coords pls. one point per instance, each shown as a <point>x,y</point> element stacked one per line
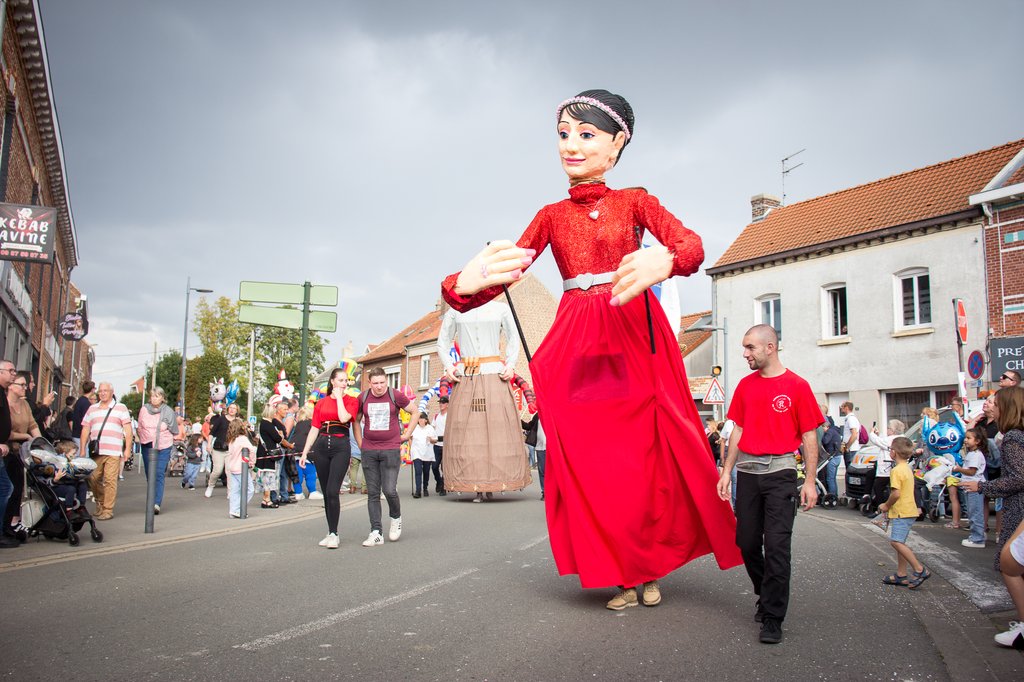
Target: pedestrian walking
<point>219,444</point>
<point>328,440</point>
<point>422,451</point>
<point>107,433</point>
<point>775,413</point>
<point>193,459</point>
<point>307,473</point>
<point>240,448</point>
<point>23,428</point>
<point>902,511</point>
<point>158,429</point>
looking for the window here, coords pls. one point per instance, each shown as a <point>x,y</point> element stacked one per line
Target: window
<point>770,312</point>
<point>914,298</point>
<point>424,370</point>
<point>394,376</point>
<point>834,310</point>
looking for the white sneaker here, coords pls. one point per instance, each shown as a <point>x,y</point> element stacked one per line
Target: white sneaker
<point>395,531</point>
<point>209,491</point>
<point>323,543</point>
<point>374,539</point>
<point>316,495</point>
<point>1014,637</point>
<point>976,545</point>
<point>333,541</point>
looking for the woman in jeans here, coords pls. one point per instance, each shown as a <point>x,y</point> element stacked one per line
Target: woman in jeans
<point>329,439</point>
<point>23,427</point>
<point>158,429</point>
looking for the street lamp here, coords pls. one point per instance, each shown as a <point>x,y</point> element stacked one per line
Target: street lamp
<point>184,341</point>
<point>725,361</point>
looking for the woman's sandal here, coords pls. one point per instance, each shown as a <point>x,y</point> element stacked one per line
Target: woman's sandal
<point>952,525</point>
<point>920,577</point>
<point>268,505</point>
<point>898,580</point>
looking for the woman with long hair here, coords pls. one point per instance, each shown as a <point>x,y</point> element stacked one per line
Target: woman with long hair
<point>23,427</point>
<point>329,440</point>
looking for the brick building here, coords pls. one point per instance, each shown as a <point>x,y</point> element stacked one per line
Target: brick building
<point>1002,204</point>
<point>410,356</point>
<point>35,296</point>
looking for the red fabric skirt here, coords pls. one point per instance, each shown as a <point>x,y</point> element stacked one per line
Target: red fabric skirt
<point>630,483</point>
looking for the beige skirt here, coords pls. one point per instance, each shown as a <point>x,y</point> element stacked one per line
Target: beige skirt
<point>484,450</point>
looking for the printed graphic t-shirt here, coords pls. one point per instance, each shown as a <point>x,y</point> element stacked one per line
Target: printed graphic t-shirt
<point>774,412</point>
<point>382,430</point>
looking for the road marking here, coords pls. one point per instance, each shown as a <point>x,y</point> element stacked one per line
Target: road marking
<point>532,543</point>
<point>328,621</point>
<point>987,594</point>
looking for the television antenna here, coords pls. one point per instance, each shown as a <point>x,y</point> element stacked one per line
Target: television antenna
<point>786,171</point>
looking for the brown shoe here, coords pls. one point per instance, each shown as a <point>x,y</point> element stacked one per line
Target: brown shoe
<point>623,600</point>
<point>652,593</point>
<point>352,490</point>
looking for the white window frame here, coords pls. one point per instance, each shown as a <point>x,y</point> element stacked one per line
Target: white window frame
<point>914,275</point>
<point>774,317</point>
<point>424,371</point>
<point>394,376</point>
<point>828,311</point>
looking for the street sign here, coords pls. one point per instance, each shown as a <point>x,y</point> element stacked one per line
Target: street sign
<point>715,394</point>
<point>274,292</point>
<point>975,364</point>
<point>252,419</point>
<point>961,319</point>
<point>289,318</point>
<point>1005,353</point>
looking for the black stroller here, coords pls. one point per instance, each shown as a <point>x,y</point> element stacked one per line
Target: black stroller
<point>57,522</point>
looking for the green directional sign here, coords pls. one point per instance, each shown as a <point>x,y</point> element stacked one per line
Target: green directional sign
<point>289,318</point>
<point>275,292</point>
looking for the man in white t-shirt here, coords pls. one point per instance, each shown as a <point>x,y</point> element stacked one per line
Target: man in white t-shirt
<point>851,432</point>
<point>439,421</point>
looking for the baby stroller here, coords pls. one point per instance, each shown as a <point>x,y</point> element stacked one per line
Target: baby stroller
<point>937,470</point>
<point>860,480</point>
<point>176,466</point>
<point>57,521</point>
<point>826,499</point>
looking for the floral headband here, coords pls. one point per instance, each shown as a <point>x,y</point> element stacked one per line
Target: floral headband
<point>597,104</point>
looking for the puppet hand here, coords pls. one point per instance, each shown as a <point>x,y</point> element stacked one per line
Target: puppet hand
<point>452,376</point>
<point>507,373</point>
<point>501,262</point>
<point>638,271</point>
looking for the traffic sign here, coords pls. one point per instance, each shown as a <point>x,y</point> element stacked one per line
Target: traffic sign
<point>252,419</point>
<point>274,292</point>
<point>961,319</point>
<point>289,318</point>
<point>715,394</point>
<point>975,364</point>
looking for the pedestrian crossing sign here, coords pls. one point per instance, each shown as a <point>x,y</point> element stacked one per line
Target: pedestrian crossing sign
<point>715,394</point>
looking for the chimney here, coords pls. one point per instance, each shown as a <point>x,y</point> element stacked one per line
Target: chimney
<point>761,204</point>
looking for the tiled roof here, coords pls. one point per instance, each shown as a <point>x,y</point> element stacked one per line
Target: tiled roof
<point>424,329</point>
<point>688,341</point>
<point>918,195</point>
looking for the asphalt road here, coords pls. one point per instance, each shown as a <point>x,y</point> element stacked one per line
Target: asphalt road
<point>470,593</point>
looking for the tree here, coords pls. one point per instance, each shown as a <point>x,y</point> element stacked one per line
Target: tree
<point>202,370</point>
<point>133,401</point>
<point>168,376</point>
<point>217,327</point>
<point>280,348</point>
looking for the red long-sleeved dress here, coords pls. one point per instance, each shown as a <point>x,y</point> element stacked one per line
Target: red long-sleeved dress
<point>630,483</point>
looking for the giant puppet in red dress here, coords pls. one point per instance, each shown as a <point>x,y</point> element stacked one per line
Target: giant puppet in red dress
<point>630,483</point>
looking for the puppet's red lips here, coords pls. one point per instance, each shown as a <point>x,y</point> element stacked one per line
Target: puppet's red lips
<point>573,162</point>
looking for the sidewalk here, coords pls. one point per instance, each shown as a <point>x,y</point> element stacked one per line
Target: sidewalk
<point>184,515</point>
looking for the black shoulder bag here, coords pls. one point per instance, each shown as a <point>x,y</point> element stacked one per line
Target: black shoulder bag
<point>94,443</point>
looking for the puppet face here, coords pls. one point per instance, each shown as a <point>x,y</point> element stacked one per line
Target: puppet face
<point>587,152</point>
<point>943,438</point>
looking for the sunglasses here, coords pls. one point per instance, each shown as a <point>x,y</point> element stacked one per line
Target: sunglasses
<point>1006,377</point>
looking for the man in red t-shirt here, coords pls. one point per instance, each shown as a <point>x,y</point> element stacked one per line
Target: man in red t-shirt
<point>381,442</point>
<point>775,413</point>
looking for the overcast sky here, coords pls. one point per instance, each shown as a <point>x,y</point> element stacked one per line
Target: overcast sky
<point>377,146</point>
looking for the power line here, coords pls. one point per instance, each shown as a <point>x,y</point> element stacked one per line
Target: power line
<point>128,355</point>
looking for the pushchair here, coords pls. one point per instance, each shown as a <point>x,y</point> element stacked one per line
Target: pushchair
<point>860,480</point>
<point>176,465</point>
<point>825,498</point>
<point>57,522</point>
<point>936,471</point>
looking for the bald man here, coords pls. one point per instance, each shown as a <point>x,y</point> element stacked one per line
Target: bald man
<point>775,414</point>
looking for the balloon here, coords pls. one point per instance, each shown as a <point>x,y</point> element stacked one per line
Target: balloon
<point>283,387</point>
<point>217,390</point>
<point>232,392</point>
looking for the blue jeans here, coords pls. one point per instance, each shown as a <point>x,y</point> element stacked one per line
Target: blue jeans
<point>309,476</point>
<point>533,454</point>
<point>831,471</point>
<point>163,458</point>
<point>188,479</point>
<point>976,510</point>
<point>6,487</point>
<point>542,456</point>
<point>380,467</point>
<point>235,493</point>
<point>421,472</point>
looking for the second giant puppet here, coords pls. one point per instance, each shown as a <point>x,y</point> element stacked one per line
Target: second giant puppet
<point>483,445</point>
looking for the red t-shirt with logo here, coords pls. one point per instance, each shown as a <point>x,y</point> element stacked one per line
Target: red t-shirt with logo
<point>774,413</point>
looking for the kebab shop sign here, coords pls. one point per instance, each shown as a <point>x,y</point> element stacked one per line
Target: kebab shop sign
<point>27,232</point>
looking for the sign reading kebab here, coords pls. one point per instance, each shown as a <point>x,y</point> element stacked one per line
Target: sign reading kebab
<point>27,232</point>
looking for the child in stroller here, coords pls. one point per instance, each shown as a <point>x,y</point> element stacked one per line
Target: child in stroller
<point>60,480</point>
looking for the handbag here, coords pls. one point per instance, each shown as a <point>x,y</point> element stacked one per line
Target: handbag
<point>94,443</point>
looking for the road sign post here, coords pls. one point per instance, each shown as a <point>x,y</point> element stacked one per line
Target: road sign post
<point>960,319</point>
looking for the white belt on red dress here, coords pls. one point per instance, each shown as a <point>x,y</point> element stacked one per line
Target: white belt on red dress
<point>586,280</point>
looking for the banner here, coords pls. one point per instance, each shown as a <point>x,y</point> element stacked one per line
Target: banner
<point>74,327</point>
<point>27,233</point>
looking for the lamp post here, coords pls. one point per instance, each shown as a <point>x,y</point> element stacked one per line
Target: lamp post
<point>184,341</point>
<point>725,360</point>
